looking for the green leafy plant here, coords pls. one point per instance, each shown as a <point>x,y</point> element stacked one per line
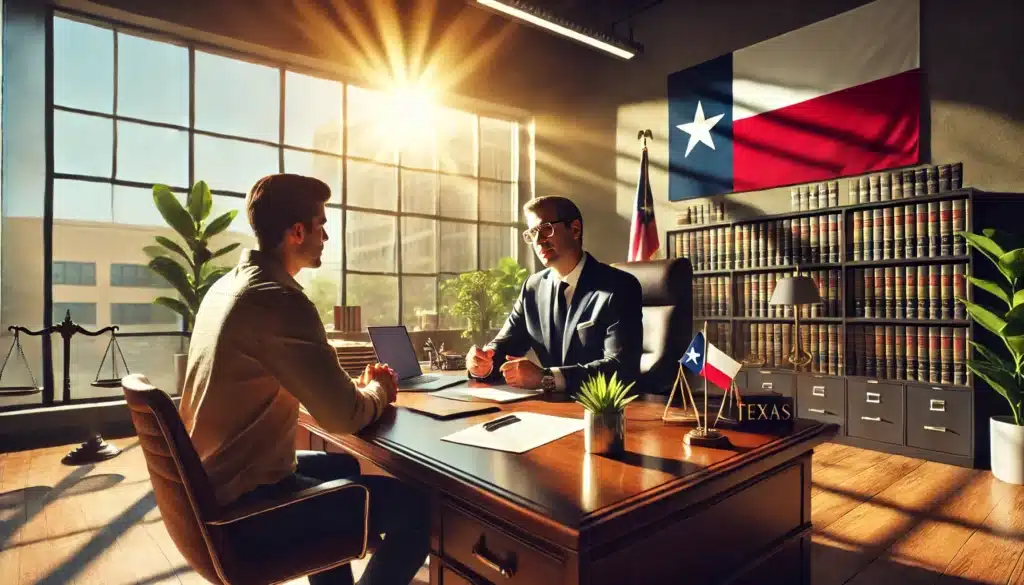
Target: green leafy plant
<point>482,297</point>
<point>189,268</point>
<point>601,395</point>
<point>1005,376</point>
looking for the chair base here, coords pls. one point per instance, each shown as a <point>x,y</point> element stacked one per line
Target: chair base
<point>92,451</point>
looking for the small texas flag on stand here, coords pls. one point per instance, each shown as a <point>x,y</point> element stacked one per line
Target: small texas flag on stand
<point>707,360</point>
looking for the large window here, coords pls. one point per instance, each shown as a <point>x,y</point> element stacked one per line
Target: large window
<point>74,273</point>
<point>420,192</point>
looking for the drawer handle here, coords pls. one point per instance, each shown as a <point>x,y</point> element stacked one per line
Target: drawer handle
<point>766,371</point>
<point>873,397</point>
<point>818,390</point>
<point>481,554</point>
<point>817,410</point>
<point>936,429</point>
<point>766,385</point>
<point>872,381</point>
<point>937,405</point>
<point>872,418</point>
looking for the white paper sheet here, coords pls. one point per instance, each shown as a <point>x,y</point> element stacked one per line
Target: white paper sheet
<point>532,431</point>
<point>501,394</point>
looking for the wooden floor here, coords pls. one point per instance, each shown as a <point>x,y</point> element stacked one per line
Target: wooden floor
<point>879,519</point>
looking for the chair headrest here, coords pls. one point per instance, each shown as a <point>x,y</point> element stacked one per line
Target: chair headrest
<point>663,282</point>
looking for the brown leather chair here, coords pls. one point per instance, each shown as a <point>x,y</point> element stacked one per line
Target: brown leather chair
<point>222,543</point>
<point>667,297</point>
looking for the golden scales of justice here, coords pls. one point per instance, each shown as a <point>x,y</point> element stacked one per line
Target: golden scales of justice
<point>704,434</point>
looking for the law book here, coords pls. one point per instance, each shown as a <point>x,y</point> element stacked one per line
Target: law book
<point>890,292</point>
<point>880,301</point>
<point>959,290</point>
<point>869,293</point>
<point>723,308</point>
<point>911,343</point>
<point>946,356</point>
<point>816,307</point>
<point>863,191</point>
<point>853,191</point>
<point>944,177</point>
<point>833,293</point>
<point>794,199</point>
<point>932,180</point>
<point>770,244</point>
<point>934,235</point>
<point>823,249</point>
<point>887,233</point>
<point>805,239</point>
<point>873,194</point>
<point>833,238</point>
<point>762,295</point>
<point>813,235</point>
<point>787,337</point>
<point>805,340</point>
<point>959,355</point>
<point>748,298</point>
<point>959,223</point>
<point>868,223</point>
<point>858,228</point>
<point>908,184</point>
<point>922,292</point>
<point>890,351</point>
<point>805,198</point>
<point>901,352</point>
<point>880,363</point>
<point>762,246</point>
<point>884,193</point>
<point>723,248</point>
<point>909,231</point>
<point>896,184</point>
<point>946,291</point>
<point>934,292</point>
<point>920,182</point>
<point>781,235</point>
<point>922,230</point>
<point>858,292</point>
<point>877,231</point>
<point>823,347</point>
<point>682,245</point>
<point>956,176</point>
<point>897,232</point>
<point>815,198</point>
<point>910,279</point>
<point>772,309</point>
<point>777,343</point>
<point>705,245</point>
<point>923,363</point>
<point>945,228</point>
<point>859,368</point>
<point>748,251</point>
<point>899,289</point>
<point>833,194</point>
<point>934,355</point>
<point>752,339</point>
<point>833,350</point>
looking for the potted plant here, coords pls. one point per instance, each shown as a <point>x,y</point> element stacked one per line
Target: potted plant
<point>1005,376</point>
<point>189,268</point>
<point>481,297</point>
<point>604,402</point>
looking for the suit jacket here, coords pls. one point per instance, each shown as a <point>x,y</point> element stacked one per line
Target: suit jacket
<point>603,332</point>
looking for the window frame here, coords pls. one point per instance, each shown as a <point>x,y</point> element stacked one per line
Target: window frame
<point>520,151</point>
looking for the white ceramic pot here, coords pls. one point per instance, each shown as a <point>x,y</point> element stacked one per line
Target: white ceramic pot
<point>180,364</point>
<point>1007,442</point>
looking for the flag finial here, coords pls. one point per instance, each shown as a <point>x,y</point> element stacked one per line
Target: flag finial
<point>644,135</point>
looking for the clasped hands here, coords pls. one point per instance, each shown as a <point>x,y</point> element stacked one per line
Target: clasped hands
<point>383,375</point>
<point>518,371</point>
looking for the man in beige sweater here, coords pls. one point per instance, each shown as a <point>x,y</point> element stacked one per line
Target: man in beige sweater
<point>258,350</point>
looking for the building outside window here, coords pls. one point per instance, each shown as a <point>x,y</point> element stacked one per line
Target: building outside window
<point>420,192</point>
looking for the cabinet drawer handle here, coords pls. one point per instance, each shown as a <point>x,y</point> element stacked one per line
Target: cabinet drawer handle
<point>873,397</point>
<point>872,418</point>
<point>936,429</point>
<point>766,385</point>
<point>481,554</point>
<point>766,371</point>
<point>817,410</point>
<point>818,390</point>
<point>872,381</point>
<point>937,405</point>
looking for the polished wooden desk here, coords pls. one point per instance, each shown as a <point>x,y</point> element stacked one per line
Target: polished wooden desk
<point>662,512</point>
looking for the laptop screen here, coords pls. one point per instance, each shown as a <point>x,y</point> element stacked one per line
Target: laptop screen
<point>394,348</point>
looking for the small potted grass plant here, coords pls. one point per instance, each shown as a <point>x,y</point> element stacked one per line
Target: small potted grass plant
<point>604,401</point>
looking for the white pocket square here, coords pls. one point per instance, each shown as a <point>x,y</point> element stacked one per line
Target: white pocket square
<point>584,325</point>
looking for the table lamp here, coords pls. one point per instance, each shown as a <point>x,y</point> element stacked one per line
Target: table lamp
<point>796,291</point>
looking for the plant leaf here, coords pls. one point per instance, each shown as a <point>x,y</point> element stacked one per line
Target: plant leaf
<point>1012,263</point>
<point>173,213</point>
<point>984,244</point>
<point>1004,240</point>
<point>998,289</point>
<point>176,276</point>
<point>154,251</point>
<point>984,317</point>
<point>219,224</point>
<point>990,356</point>
<point>1000,380</point>
<point>176,306</point>
<point>200,201</point>
<point>174,247</point>
<point>225,250</point>
<point>1018,297</point>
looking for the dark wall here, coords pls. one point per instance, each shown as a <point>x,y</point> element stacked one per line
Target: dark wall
<point>973,87</point>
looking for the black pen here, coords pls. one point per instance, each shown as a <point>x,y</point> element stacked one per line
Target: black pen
<point>501,422</point>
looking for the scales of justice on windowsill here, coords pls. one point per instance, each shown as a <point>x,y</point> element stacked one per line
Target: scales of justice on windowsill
<point>94,449</point>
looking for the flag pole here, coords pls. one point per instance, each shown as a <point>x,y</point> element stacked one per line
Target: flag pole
<point>703,436</point>
<point>705,333</point>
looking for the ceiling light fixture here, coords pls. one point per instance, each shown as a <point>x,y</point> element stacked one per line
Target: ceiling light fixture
<point>538,18</point>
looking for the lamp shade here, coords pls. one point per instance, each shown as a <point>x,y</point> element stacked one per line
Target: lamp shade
<point>795,290</point>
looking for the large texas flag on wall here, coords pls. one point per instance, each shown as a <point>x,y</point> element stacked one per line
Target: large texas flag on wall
<point>839,97</point>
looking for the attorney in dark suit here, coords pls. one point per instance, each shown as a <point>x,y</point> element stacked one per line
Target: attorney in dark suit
<point>580,316</point>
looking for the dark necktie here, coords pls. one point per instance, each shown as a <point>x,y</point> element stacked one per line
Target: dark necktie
<point>560,316</point>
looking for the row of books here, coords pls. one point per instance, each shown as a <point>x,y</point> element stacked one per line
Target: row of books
<point>815,196</point>
<point>922,230</point>
<point>906,183</point>
<point>755,291</point>
<point>711,296</point>
<point>910,292</point>
<point>720,335</point>
<point>935,355</point>
<point>781,242</point>
<point>772,343</point>
<point>701,214</point>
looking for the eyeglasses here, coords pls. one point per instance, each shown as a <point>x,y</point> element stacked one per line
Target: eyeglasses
<point>542,230</point>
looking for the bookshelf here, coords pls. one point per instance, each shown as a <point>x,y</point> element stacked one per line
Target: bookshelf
<point>890,343</point>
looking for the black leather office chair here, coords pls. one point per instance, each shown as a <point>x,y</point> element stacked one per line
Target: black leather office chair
<point>667,287</point>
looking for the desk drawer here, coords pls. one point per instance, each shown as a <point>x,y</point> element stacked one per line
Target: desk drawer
<point>493,553</point>
<point>821,398</point>
<point>768,381</point>
<point>450,577</point>
<point>876,411</point>
<point>939,420</point>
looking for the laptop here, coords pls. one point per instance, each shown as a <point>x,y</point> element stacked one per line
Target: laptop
<point>394,348</point>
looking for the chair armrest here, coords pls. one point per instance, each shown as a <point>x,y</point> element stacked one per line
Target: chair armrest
<point>231,514</point>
